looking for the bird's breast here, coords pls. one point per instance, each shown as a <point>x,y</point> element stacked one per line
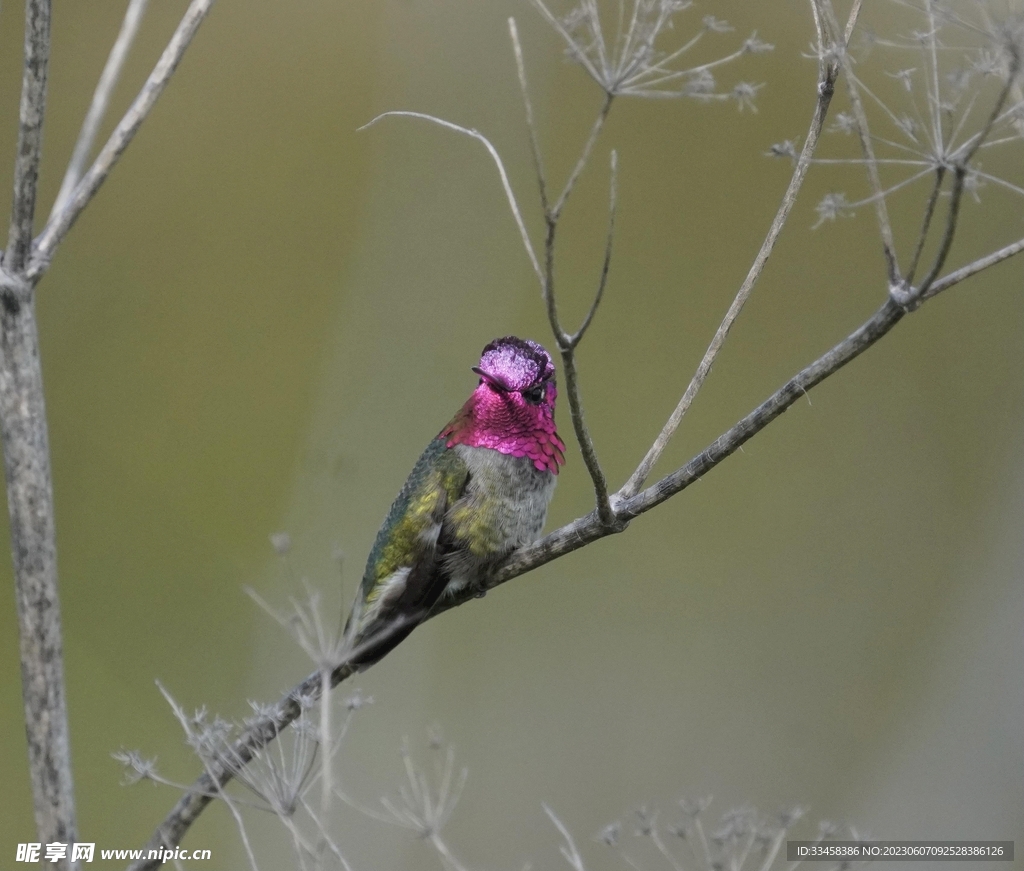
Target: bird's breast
<point>504,507</point>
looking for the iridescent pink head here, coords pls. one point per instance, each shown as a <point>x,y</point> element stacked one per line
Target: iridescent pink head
<point>512,409</point>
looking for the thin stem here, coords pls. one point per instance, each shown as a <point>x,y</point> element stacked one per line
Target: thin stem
<point>322,830</point>
<point>630,85</point>
<point>506,185</point>
<point>660,66</point>
<point>100,100</point>
<point>326,769</point>
<point>445,853</point>
<point>929,212</point>
<point>531,126</point>
<point>61,222</point>
<point>660,844</point>
<point>965,272</point>
<point>548,284</point>
<point>579,56</point>
<point>1003,183</point>
<point>950,232</point>
<point>613,187</point>
<point>701,835</point>
<point>915,295</point>
<point>586,443</point>
<point>595,131</point>
<point>569,850</point>
<point>881,211</point>
<point>257,736</point>
<point>773,850</point>
<point>851,21</point>
<point>997,108</point>
<point>30,133</point>
<point>568,352</point>
<point>933,69</point>
<point>826,87</point>
<point>588,529</point>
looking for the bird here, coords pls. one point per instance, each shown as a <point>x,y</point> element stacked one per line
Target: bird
<point>478,492</point>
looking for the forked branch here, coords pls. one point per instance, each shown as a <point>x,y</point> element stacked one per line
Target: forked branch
<point>100,100</point>
<point>23,425</point>
<point>828,71</point>
<point>62,220</point>
<point>881,211</point>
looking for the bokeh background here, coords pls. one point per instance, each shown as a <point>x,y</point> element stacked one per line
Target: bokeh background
<point>265,315</point>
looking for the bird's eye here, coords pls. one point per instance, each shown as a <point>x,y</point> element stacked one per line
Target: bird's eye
<point>534,395</point>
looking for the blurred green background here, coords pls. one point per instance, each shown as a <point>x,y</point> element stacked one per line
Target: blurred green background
<point>265,315</point>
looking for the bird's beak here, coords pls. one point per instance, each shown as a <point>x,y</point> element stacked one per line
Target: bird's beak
<point>496,383</point>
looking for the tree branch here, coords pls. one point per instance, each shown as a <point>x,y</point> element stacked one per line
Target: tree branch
<point>27,466</point>
<point>100,100</point>
<point>881,211</point>
<point>30,133</point>
<point>827,74</point>
<point>613,194</point>
<point>965,272</point>
<point>567,346</point>
<point>904,293</point>
<point>538,163</point>
<point>61,222</point>
<point>595,132</point>
<point>493,152</point>
<point>567,343</point>
<point>34,550</point>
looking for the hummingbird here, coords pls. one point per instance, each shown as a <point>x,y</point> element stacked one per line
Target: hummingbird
<point>479,491</point>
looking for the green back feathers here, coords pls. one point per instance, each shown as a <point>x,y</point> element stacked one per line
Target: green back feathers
<point>436,481</point>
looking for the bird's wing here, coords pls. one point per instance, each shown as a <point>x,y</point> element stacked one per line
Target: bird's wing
<point>404,575</point>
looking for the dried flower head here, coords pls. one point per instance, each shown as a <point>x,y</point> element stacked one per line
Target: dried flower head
<point>618,45</point>
<point>937,101</point>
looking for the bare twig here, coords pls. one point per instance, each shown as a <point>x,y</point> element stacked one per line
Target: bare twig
<point>586,442</point>
<point>579,57</point>
<point>322,829</point>
<point>61,222</point>
<point>965,272</point>
<point>30,133</point>
<point>100,100</point>
<point>908,296</point>
<point>588,529</point>
<point>588,147</point>
<point>881,211</point>
<point>567,343</point>
<point>828,71</point>
<point>447,856</point>
<point>26,451</point>
<point>929,212</point>
<point>538,162</point>
<point>952,216</point>
<point>613,193</point>
<point>258,734</point>
<point>568,849</point>
<point>479,137</point>
<point>660,844</point>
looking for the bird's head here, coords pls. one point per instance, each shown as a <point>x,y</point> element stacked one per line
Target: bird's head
<point>520,370</point>
<point>512,409</point>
